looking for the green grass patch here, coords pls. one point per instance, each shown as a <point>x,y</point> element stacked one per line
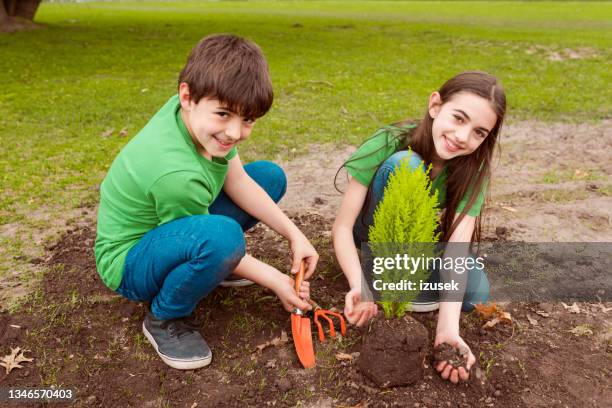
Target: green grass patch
<point>561,196</point>
<point>74,92</point>
<point>556,176</point>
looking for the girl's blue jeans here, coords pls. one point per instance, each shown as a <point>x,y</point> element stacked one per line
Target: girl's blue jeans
<point>477,289</point>
<point>179,263</point>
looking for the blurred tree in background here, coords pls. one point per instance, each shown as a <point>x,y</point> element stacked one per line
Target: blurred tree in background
<point>17,14</point>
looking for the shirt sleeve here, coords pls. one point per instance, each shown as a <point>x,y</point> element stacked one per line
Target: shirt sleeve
<point>474,211</point>
<point>180,194</point>
<point>362,164</point>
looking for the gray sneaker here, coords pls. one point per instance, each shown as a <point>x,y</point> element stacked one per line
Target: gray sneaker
<point>178,343</point>
<point>424,307</point>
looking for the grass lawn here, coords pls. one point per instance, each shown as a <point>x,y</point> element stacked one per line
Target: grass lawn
<point>74,92</point>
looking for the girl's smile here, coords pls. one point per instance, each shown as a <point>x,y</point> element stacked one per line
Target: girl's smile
<point>450,146</point>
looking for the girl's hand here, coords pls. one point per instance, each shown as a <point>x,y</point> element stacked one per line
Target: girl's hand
<point>302,249</point>
<point>285,290</point>
<point>447,370</point>
<point>356,311</point>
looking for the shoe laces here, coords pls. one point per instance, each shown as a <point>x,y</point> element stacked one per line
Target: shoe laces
<point>179,327</point>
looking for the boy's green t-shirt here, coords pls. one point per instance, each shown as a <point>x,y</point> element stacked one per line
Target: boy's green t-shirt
<point>157,177</point>
<point>362,166</point>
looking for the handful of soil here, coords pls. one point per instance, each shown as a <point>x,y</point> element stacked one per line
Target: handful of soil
<point>446,352</point>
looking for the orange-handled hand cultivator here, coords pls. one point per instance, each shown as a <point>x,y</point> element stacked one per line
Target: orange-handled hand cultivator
<point>325,314</point>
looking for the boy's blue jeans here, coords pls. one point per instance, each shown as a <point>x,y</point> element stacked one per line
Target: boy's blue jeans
<point>179,263</point>
<point>477,289</point>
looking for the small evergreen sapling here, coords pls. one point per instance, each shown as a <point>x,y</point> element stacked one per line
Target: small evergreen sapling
<point>406,220</point>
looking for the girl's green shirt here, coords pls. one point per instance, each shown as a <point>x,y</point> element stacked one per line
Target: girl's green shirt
<point>362,166</point>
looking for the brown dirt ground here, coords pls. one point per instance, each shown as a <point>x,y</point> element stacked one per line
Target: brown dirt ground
<point>552,185</point>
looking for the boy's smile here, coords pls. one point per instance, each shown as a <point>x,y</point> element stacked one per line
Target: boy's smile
<point>214,129</point>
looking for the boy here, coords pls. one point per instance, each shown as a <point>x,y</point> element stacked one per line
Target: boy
<point>167,234</point>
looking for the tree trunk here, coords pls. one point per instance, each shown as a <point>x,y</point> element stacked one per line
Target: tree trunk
<point>17,15</point>
<point>24,8</point>
<point>4,18</point>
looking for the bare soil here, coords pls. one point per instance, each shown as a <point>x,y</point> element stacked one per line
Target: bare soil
<point>84,337</point>
<point>552,184</point>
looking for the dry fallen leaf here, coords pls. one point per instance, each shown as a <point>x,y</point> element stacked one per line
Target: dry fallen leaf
<point>604,308</point>
<point>542,313</point>
<point>486,311</point>
<point>107,132</point>
<point>11,361</point>
<point>275,342</point>
<point>493,314</point>
<point>123,132</point>
<point>491,323</point>
<point>582,330</point>
<point>504,317</point>
<point>344,357</point>
<point>579,174</point>
<point>572,309</point>
<point>508,208</point>
<point>532,321</point>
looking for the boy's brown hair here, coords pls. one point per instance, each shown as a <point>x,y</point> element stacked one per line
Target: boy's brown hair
<point>231,69</point>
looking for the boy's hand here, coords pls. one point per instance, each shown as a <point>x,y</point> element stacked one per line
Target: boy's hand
<point>356,311</point>
<point>448,371</point>
<point>302,249</point>
<point>285,290</point>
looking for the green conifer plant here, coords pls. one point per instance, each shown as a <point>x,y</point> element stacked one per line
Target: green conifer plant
<point>405,220</point>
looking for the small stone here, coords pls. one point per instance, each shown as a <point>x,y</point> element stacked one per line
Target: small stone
<point>91,399</point>
<point>497,394</point>
<point>546,307</point>
<point>501,231</point>
<point>319,201</point>
<point>283,384</point>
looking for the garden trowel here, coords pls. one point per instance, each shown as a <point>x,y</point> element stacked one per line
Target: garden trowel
<point>300,328</point>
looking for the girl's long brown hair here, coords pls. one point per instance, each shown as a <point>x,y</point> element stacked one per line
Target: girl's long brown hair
<point>465,173</point>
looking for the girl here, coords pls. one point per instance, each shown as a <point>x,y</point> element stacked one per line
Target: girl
<point>457,137</point>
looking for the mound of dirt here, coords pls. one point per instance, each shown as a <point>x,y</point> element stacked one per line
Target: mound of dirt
<point>393,352</point>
